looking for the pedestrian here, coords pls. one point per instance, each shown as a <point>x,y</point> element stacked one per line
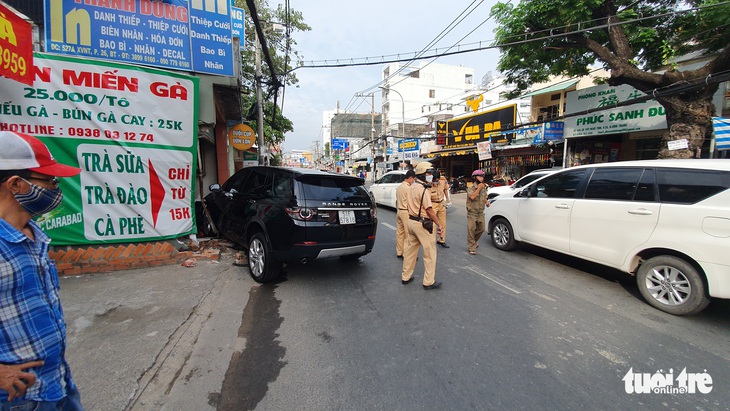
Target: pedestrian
<point>401,217</point>
<point>420,218</point>
<point>439,197</point>
<point>34,373</point>
<point>476,200</point>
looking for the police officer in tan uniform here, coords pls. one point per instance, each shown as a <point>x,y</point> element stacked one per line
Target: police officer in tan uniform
<point>401,220</point>
<point>439,198</point>
<point>419,209</point>
<point>476,199</point>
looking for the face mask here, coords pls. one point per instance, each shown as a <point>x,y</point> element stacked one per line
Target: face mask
<point>429,179</point>
<point>39,200</point>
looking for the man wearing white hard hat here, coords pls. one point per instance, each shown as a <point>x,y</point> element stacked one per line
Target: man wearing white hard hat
<point>34,373</point>
<point>421,215</point>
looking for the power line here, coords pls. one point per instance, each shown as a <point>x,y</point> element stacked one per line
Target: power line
<point>401,57</point>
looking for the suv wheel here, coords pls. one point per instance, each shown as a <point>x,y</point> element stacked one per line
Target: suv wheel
<point>263,267</point>
<point>672,285</point>
<point>502,235</point>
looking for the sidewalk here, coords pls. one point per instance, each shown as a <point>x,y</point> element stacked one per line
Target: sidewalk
<point>139,339</point>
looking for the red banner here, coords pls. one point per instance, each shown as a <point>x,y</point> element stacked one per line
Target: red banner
<point>16,47</point>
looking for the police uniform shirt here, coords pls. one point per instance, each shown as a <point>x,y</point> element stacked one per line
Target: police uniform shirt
<point>415,194</point>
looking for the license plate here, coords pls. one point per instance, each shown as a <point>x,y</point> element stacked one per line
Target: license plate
<point>347,217</point>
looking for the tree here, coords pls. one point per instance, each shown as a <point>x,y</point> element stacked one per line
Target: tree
<point>280,44</point>
<point>543,38</point>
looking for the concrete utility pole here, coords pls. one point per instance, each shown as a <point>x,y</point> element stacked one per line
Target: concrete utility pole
<point>372,134</point>
<point>263,160</point>
<point>403,117</point>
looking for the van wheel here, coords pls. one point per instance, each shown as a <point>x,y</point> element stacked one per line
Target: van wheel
<point>262,266</point>
<point>672,285</point>
<point>503,236</point>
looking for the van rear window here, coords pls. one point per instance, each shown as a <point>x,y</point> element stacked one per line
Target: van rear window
<point>689,186</point>
<point>334,189</point>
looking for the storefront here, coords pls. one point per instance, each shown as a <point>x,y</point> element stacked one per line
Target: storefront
<point>632,132</point>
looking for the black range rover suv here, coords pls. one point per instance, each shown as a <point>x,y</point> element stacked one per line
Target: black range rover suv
<point>283,215</point>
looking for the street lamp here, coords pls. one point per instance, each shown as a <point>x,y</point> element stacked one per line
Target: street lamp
<point>403,115</point>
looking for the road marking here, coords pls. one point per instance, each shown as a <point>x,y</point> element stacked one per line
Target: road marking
<point>389,226</point>
<point>490,278</point>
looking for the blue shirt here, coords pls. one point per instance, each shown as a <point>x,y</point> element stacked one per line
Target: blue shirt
<point>31,319</point>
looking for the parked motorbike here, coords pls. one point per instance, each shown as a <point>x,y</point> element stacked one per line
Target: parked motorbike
<point>457,184</point>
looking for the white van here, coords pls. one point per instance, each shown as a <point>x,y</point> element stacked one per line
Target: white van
<point>665,221</point>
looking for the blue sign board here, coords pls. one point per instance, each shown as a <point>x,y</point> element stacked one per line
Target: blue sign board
<point>553,130</point>
<point>340,144</point>
<point>211,37</point>
<point>174,34</point>
<point>238,24</point>
<point>408,144</point>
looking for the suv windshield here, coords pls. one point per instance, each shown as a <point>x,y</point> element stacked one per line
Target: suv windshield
<point>334,189</point>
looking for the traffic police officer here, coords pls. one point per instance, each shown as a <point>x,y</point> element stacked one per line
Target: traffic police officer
<point>476,199</point>
<point>401,218</point>
<point>420,209</point>
<point>439,198</point>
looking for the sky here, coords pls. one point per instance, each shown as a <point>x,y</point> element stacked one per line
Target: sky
<point>358,29</point>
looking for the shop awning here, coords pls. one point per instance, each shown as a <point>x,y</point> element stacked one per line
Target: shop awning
<point>551,89</point>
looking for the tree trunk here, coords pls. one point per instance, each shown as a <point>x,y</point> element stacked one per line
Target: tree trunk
<point>689,117</point>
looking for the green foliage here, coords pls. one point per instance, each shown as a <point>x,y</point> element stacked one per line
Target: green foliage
<point>282,52</point>
<point>543,38</point>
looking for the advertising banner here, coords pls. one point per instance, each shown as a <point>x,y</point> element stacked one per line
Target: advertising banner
<point>486,126</point>
<point>175,34</point>
<point>408,144</point>
<point>131,130</point>
<point>645,116</point>
<point>16,47</point>
<point>484,150</point>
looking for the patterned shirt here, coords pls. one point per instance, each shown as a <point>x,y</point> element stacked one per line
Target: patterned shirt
<point>31,319</point>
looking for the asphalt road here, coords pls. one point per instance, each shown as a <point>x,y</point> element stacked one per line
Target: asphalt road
<point>528,329</point>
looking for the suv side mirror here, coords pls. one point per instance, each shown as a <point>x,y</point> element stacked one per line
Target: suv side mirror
<point>214,187</point>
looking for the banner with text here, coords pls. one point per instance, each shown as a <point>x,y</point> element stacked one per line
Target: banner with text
<point>16,47</point>
<point>645,116</point>
<point>133,132</point>
<point>485,126</point>
<point>175,34</point>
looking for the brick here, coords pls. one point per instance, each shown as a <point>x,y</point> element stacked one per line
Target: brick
<point>138,249</point>
<point>98,263</point>
<point>64,266</point>
<point>72,271</point>
<point>128,251</point>
<point>132,261</point>
<point>88,253</point>
<point>99,253</point>
<point>117,252</point>
<point>156,248</point>
<point>58,256</point>
<point>76,255</point>
<point>147,248</point>
<point>149,257</point>
<point>167,248</point>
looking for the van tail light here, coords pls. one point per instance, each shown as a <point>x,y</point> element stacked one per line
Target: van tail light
<point>300,213</point>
